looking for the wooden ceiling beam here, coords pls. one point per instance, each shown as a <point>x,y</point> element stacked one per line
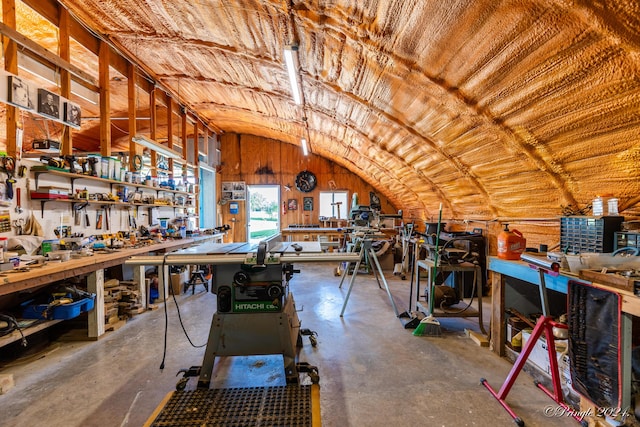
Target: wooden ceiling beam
<point>50,10</point>
<point>43,55</point>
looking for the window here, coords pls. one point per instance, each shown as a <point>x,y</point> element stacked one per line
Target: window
<point>333,204</point>
<point>207,198</point>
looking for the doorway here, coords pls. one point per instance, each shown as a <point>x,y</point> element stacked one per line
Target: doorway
<point>263,211</point>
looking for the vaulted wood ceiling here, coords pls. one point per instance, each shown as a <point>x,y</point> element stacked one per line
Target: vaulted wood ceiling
<point>495,109</point>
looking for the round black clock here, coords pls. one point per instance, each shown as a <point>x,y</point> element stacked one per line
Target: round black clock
<point>306,181</point>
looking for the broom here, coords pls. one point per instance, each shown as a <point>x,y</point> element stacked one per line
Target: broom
<point>430,325</point>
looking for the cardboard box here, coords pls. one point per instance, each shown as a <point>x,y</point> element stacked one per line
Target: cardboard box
<point>178,281</point>
<point>514,326</point>
<point>539,356</point>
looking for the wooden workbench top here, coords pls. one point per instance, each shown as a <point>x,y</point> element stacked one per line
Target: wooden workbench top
<point>50,272</point>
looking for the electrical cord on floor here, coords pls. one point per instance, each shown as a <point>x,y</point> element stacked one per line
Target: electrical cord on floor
<point>473,292</point>
<point>11,325</point>
<point>182,324</point>
<point>166,315</point>
<point>312,336</point>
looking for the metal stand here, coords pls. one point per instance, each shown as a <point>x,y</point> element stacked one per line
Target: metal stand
<point>544,324</point>
<point>367,251</point>
<point>246,334</point>
<point>432,269</point>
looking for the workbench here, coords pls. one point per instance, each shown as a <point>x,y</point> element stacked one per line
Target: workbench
<point>501,270</point>
<point>311,233</point>
<point>93,267</point>
<point>454,311</point>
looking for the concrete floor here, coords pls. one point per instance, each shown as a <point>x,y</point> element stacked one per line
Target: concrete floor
<point>373,372</point>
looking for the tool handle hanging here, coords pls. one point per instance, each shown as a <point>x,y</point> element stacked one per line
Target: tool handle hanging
<point>10,182</point>
<point>434,274</point>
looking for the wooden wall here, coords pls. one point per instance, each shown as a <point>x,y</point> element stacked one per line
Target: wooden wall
<point>258,160</point>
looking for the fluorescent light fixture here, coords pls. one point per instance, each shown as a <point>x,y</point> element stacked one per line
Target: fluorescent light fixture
<point>290,59</point>
<point>38,69</point>
<point>157,147</point>
<point>305,149</point>
<point>84,93</point>
<point>207,168</point>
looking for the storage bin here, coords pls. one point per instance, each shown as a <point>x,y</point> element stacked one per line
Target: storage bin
<point>60,312</point>
<point>588,234</point>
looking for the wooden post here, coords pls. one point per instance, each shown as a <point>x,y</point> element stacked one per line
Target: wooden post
<point>153,120</point>
<point>498,332</point>
<point>11,65</point>
<point>133,102</point>
<point>95,285</point>
<point>65,78</point>
<point>170,105</point>
<point>105,104</point>
<point>139,276</point>
<point>184,133</point>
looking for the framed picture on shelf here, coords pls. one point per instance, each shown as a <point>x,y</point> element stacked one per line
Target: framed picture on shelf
<point>20,93</point>
<point>292,204</point>
<point>48,104</point>
<point>72,114</point>
<point>307,204</point>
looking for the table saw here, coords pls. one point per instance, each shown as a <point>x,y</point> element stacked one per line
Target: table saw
<point>256,315</point>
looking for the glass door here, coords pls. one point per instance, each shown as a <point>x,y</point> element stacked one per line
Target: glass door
<point>263,211</point>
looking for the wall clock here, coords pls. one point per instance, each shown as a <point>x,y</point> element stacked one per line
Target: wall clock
<point>306,181</point>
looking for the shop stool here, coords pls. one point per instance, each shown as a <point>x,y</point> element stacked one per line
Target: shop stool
<point>197,278</point>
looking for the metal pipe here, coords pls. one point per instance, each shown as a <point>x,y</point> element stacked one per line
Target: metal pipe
<point>539,261</point>
<point>217,259</point>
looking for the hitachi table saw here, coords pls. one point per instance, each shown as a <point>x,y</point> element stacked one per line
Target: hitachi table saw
<point>256,315</point>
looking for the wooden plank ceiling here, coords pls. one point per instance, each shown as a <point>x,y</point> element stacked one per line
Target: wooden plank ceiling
<point>496,109</point>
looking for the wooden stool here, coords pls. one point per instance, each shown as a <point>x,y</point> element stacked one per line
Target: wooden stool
<point>197,278</point>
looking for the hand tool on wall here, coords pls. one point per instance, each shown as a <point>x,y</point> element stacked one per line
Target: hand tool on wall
<point>99,215</point>
<point>86,215</point>
<point>107,212</point>
<point>19,225</point>
<point>9,167</point>
<point>18,205</point>
<point>79,209</point>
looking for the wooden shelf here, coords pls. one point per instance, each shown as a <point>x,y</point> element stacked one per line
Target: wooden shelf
<point>15,335</point>
<point>103,202</point>
<point>75,176</point>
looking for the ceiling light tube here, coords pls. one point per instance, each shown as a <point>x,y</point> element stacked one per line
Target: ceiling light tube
<point>305,149</point>
<point>157,147</point>
<point>292,70</point>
